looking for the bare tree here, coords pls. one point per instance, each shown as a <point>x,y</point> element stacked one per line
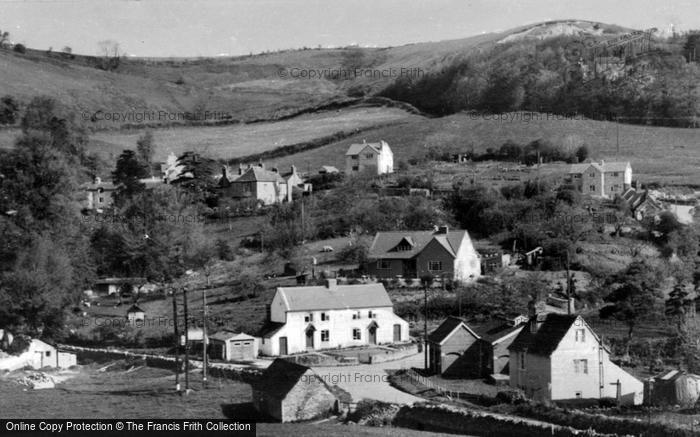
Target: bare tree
<point>111,54</point>
<point>4,38</point>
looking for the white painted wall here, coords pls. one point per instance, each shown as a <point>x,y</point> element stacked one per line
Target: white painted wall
<point>467,261</point>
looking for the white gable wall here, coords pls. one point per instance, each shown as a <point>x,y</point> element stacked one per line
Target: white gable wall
<point>467,262</point>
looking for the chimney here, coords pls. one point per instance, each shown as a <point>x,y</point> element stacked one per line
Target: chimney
<point>97,180</point>
<point>294,169</point>
<point>444,229</point>
<point>536,313</point>
<point>274,170</point>
<point>331,283</point>
<point>223,172</point>
<point>602,162</point>
<point>261,164</point>
<point>571,309</point>
<point>240,169</point>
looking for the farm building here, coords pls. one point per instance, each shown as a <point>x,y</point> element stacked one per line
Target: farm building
<point>441,253</point>
<point>674,388</point>
<point>37,355</point>
<point>290,392</point>
<point>110,286</point>
<point>231,346</point>
<point>458,350</point>
<point>330,316</point>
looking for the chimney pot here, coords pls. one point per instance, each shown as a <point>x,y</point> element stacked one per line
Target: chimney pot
<point>261,164</point>
<point>294,169</point>
<point>240,169</point>
<point>274,170</point>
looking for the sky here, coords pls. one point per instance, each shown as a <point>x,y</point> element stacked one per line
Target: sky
<point>165,28</point>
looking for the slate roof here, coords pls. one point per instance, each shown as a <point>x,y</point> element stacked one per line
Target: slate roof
<point>384,243</point>
<point>445,329</point>
<point>134,309</point>
<point>270,329</point>
<point>280,378</point>
<point>490,332</point>
<point>619,166</point>
<point>105,186</point>
<point>258,174</point>
<point>316,298</point>
<point>547,338</point>
<point>329,169</point>
<point>356,149</point>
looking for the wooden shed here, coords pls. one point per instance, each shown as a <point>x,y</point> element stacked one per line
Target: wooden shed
<point>674,388</point>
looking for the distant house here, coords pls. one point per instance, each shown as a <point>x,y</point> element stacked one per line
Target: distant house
<point>492,259</point>
<point>254,182</point>
<point>110,286</point>
<point>330,316</point>
<point>328,169</point>
<point>558,357</point>
<point>375,157</point>
<point>295,181</point>
<point>290,392</point>
<point>458,350</point>
<point>135,314</point>
<point>604,179</point>
<point>442,253</point>
<point>98,194</point>
<point>231,346</point>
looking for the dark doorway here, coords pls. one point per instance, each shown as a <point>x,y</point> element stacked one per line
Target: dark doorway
<point>309,339</point>
<point>283,345</point>
<point>372,335</point>
<point>397,333</point>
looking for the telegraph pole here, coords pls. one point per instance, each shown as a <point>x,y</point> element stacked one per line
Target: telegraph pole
<point>187,345</point>
<point>425,324</point>
<point>177,344</point>
<point>205,338</point>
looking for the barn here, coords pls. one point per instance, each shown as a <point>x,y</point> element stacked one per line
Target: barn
<point>231,346</point>
<point>290,392</point>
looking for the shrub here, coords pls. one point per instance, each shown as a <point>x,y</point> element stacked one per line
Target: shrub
<point>20,48</point>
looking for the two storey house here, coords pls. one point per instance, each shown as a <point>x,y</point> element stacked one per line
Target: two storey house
<point>330,316</point>
<point>375,157</point>
<point>604,179</point>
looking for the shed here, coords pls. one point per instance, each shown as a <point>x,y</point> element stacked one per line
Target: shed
<point>231,346</point>
<point>675,388</point>
<point>290,392</point>
<point>135,314</point>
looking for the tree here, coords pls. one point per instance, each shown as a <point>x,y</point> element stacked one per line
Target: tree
<point>4,38</point>
<point>46,115</point>
<point>9,109</point>
<point>127,175</point>
<point>679,305</point>
<point>145,149</point>
<point>582,153</point>
<point>19,48</point>
<point>111,54</point>
<point>636,291</point>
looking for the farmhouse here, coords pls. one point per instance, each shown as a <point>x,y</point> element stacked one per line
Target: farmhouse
<point>413,254</point>
<point>458,350</point>
<point>607,179</point>
<point>329,316</point>
<point>558,357</point>
<point>375,157</point>
<point>290,392</point>
<point>231,346</point>
<point>254,182</point>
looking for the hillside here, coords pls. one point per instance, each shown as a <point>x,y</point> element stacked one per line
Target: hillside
<point>244,88</point>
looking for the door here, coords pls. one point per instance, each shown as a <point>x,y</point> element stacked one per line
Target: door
<point>397,333</point>
<point>283,345</point>
<point>372,335</point>
<point>309,339</point>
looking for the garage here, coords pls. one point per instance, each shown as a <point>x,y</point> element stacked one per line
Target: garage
<point>231,346</point>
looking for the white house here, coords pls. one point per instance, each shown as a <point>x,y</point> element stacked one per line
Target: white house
<point>376,157</point>
<point>558,357</point>
<point>38,355</point>
<point>329,316</point>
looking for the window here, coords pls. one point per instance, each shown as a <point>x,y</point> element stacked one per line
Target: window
<point>522,360</point>
<point>48,353</point>
<point>591,175</point>
<point>324,317</point>
<point>435,266</point>
<point>580,335</point>
<point>355,168</point>
<point>356,315</point>
<point>581,366</point>
<point>371,315</point>
<point>325,335</point>
<point>355,157</point>
<point>102,199</point>
<point>369,155</point>
<point>615,174</point>
<point>309,317</point>
<point>592,187</point>
<point>383,264</point>
<point>579,395</point>
<point>403,247</point>
<point>356,334</point>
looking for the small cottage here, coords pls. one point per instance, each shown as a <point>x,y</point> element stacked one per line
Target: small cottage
<point>290,392</point>
<point>38,355</point>
<point>231,346</point>
<point>674,388</point>
<point>135,314</point>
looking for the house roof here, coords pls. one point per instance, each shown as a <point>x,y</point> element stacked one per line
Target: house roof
<point>604,167</point>
<point>384,243</point>
<point>335,297</point>
<point>258,174</point>
<point>105,186</point>
<point>491,332</point>
<point>281,377</point>
<point>270,329</point>
<point>447,328</point>
<point>547,338</point>
<point>329,169</point>
<point>134,309</point>
<point>230,335</point>
<point>495,331</point>
<point>356,149</point>
<point>120,281</point>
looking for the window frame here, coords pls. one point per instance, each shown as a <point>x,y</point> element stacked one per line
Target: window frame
<point>431,265</point>
<point>356,334</point>
<point>327,334</point>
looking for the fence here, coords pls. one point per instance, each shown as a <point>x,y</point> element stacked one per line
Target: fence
<point>451,394</point>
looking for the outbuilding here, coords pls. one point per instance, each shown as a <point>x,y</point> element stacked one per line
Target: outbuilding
<point>135,314</point>
<point>231,346</point>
